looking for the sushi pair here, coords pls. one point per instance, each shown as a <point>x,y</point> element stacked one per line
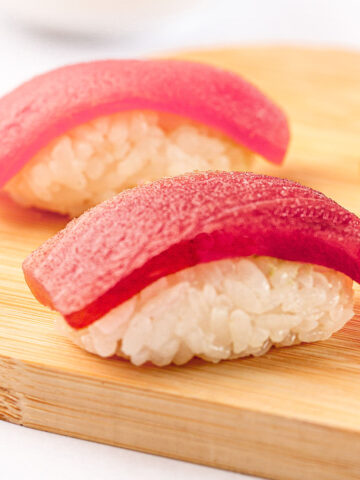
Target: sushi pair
<point>216,264</point>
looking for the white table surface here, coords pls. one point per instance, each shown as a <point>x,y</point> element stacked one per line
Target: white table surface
<point>30,454</point>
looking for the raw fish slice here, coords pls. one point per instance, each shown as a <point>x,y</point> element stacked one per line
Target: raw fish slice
<point>49,105</point>
<point>115,250</point>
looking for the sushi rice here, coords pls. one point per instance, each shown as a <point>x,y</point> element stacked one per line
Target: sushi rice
<point>222,310</point>
<point>97,160</point>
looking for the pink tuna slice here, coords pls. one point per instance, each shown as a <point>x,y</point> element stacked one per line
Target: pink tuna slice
<point>51,104</point>
<point>116,249</point>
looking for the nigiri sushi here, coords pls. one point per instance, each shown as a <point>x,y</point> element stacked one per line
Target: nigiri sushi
<point>218,265</point>
<point>78,135</point>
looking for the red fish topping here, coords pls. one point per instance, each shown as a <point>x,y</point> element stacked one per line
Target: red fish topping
<point>51,104</point>
<point>119,247</point>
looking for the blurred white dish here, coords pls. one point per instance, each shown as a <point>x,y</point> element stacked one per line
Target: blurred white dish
<point>95,16</point>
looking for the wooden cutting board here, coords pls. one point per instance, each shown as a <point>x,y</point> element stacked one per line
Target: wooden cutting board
<point>292,414</point>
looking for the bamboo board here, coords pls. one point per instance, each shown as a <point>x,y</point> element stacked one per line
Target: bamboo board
<point>293,414</point>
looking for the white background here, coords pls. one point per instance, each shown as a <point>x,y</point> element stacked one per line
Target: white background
<point>26,50</point>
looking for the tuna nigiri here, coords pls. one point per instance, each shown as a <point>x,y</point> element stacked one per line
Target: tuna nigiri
<point>217,265</point>
<point>78,135</point>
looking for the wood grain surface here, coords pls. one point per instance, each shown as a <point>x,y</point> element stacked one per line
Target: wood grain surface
<point>292,414</point>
